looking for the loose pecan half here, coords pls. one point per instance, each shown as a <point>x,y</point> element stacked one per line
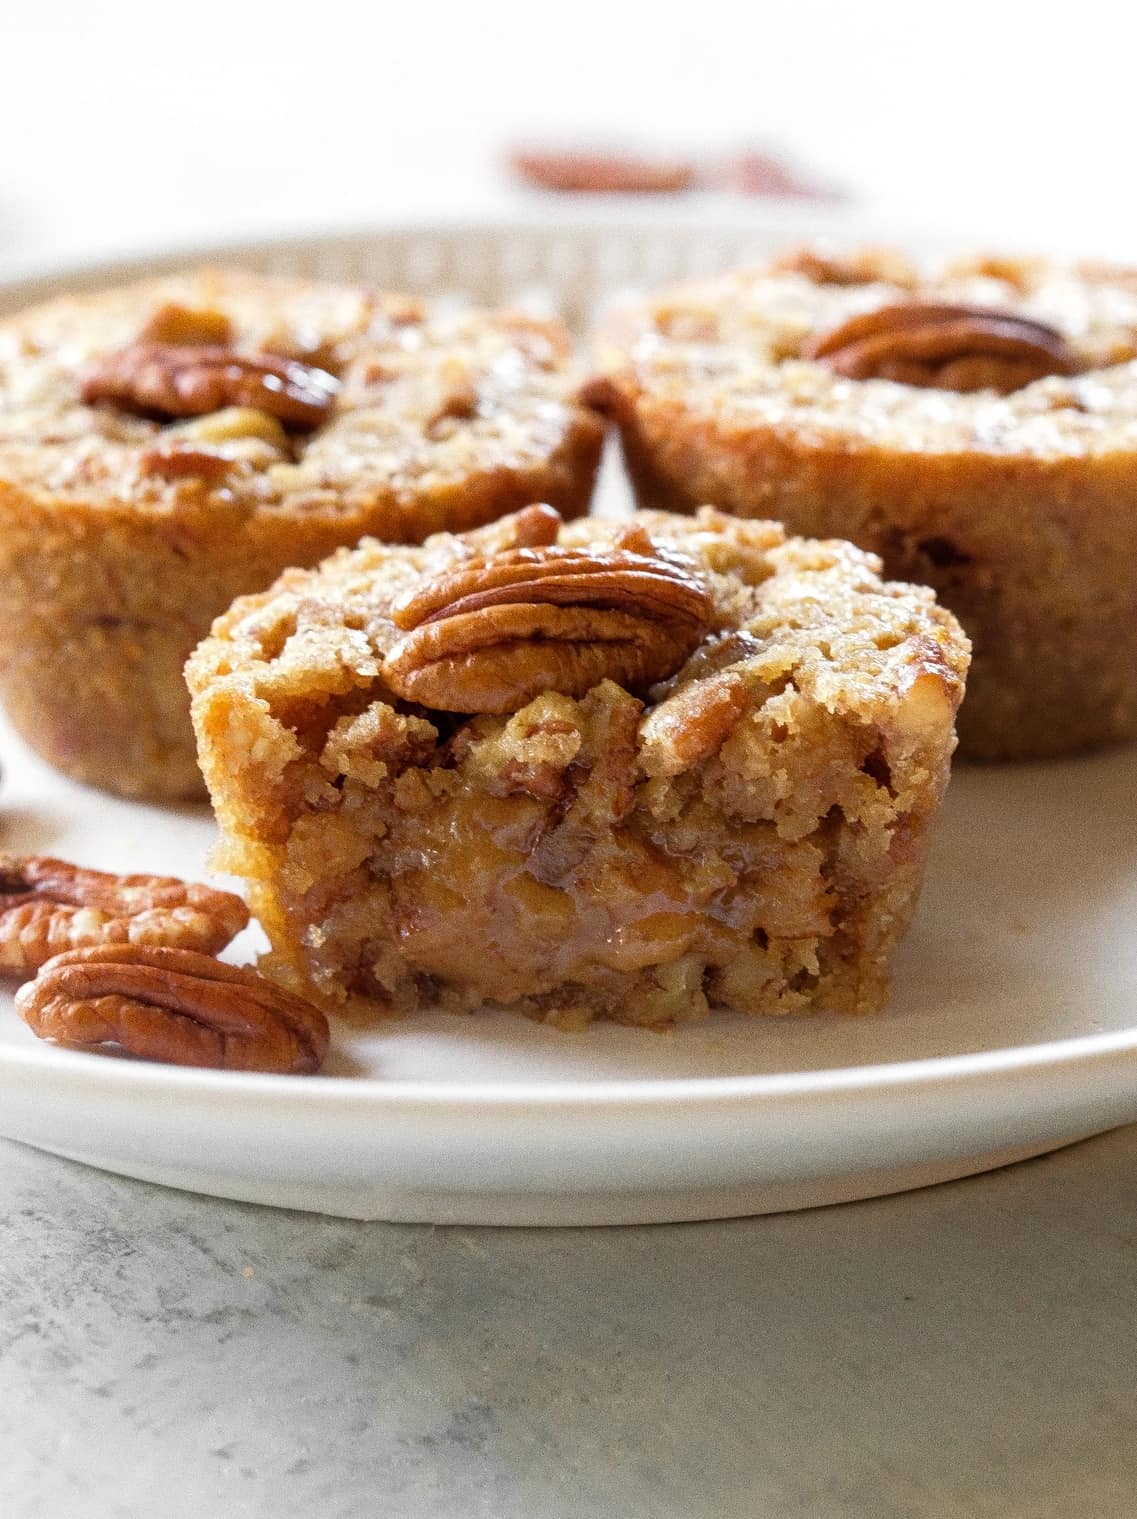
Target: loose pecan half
<point>187,380</point>
<point>491,633</point>
<point>587,171</point>
<point>173,1005</point>
<point>47,906</point>
<point>946,347</point>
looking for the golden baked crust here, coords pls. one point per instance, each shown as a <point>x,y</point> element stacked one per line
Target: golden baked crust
<point>122,535</point>
<point>749,832</point>
<point>1018,509</point>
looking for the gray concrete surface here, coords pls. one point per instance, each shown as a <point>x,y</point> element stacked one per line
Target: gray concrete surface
<point>966,1352</point>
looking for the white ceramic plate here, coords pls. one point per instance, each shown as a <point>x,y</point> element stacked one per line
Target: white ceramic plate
<point>1013,1028</point>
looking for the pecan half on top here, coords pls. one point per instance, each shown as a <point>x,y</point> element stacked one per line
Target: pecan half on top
<point>47,906</point>
<point>176,1006</point>
<point>169,380</point>
<point>491,633</point>
<point>946,347</point>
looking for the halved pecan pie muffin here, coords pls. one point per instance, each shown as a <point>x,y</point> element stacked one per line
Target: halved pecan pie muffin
<point>167,446</point>
<point>603,770</point>
<point>975,424</point>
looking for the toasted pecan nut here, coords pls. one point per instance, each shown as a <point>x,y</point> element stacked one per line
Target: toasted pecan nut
<point>233,424</point>
<point>536,526</point>
<point>178,462</point>
<point>692,724</point>
<point>750,172</point>
<point>947,347</point>
<point>489,634</point>
<point>599,173</point>
<point>48,906</point>
<point>188,380</point>
<point>173,1005</point>
<point>209,447</point>
<point>497,662</point>
<point>861,266</point>
<point>174,323</point>
<point>636,581</point>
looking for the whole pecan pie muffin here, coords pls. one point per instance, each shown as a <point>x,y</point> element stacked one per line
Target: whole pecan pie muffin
<point>603,770</point>
<point>975,424</point>
<point>169,445</point>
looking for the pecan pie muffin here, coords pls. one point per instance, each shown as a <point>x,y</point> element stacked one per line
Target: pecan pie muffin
<point>167,446</point>
<point>603,770</point>
<point>975,425</point>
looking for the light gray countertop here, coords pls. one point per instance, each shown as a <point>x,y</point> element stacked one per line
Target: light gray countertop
<point>963,1352</point>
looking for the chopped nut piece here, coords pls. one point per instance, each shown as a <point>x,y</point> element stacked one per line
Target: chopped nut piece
<point>691,725</point>
<point>949,347</point>
<point>178,462</point>
<point>187,380</point>
<point>176,1006</point>
<point>460,405</point>
<point>47,906</point>
<point>211,446</point>
<point>174,323</point>
<point>864,266</point>
<point>536,527</point>
<point>233,424</point>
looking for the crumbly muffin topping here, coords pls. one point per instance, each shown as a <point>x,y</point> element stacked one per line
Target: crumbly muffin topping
<point>411,400</point>
<point>738,346</point>
<point>781,613</point>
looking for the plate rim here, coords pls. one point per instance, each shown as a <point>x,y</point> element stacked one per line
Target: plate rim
<point>150,1077</point>
<point>36,278</point>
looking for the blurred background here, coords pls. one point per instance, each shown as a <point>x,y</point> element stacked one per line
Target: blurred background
<point>131,126</point>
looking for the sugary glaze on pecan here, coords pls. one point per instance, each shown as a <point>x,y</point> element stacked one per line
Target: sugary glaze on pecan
<point>638,579</point>
<point>492,632</point>
<point>943,345</point>
<point>189,380</point>
<point>48,906</point>
<point>175,1006</point>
